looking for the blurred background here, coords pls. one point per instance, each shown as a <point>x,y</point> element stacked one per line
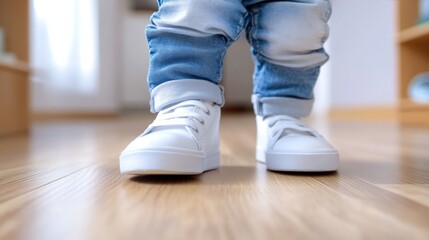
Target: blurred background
<point>73,94</point>
<point>83,58</point>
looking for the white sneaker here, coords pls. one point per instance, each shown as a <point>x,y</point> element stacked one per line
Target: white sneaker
<point>183,139</point>
<point>285,144</point>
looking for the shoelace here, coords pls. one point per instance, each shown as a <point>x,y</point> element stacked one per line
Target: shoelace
<point>282,124</point>
<point>182,114</point>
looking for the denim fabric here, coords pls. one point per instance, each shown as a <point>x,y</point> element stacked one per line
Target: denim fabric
<point>188,40</point>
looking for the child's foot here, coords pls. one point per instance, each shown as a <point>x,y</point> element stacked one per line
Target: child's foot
<point>183,139</point>
<point>286,144</point>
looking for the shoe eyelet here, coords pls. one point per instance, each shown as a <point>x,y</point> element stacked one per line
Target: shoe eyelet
<point>196,130</point>
<point>203,122</point>
<point>208,113</point>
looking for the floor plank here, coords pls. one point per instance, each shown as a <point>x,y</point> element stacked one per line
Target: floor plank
<point>63,182</point>
<point>417,193</point>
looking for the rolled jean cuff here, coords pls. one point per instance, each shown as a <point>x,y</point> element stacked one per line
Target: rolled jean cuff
<point>175,91</point>
<point>294,107</point>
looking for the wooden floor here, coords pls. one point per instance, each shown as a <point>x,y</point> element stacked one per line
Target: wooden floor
<point>63,182</point>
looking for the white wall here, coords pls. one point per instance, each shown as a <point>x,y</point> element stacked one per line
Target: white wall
<point>45,98</point>
<point>322,90</point>
<point>363,57</point>
<point>237,75</point>
<point>135,59</point>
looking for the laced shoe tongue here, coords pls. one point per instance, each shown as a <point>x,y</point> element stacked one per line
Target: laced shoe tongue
<point>290,130</point>
<point>294,133</point>
<point>175,127</point>
<point>189,108</point>
<point>182,109</point>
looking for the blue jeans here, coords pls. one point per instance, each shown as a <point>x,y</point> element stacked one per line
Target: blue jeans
<point>188,40</point>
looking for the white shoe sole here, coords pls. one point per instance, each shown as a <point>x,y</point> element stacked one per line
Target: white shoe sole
<point>299,162</point>
<point>153,162</point>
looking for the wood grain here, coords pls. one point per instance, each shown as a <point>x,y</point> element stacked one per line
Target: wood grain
<point>62,182</point>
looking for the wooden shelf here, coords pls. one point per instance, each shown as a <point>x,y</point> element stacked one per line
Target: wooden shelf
<point>15,66</point>
<point>413,59</point>
<point>408,105</point>
<point>418,33</point>
<point>14,76</point>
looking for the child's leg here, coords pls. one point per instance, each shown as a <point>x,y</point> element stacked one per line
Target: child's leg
<point>287,44</point>
<point>188,40</point>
